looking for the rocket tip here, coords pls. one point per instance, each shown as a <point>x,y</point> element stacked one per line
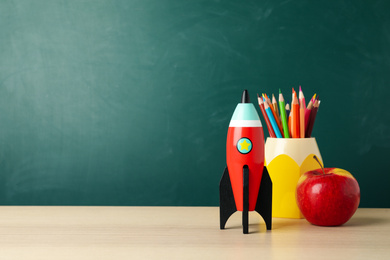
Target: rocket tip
<point>245,97</point>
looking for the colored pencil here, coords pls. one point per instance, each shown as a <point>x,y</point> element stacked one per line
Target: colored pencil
<point>272,119</point>
<point>289,121</point>
<point>295,118</point>
<point>291,112</point>
<point>302,120</point>
<point>301,97</point>
<point>267,98</point>
<point>283,115</point>
<point>313,115</point>
<point>312,100</point>
<point>275,105</point>
<point>287,110</point>
<point>308,110</point>
<point>294,93</point>
<point>274,113</point>
<point>288,113</point>
<point>268,123</point>
<point>307,113</point>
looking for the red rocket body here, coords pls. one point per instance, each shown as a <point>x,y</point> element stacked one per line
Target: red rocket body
<point>245,184</point>
<point>245,128</point>
<point>236,161</point>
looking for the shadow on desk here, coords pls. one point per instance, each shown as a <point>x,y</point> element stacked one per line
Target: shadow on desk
<point>365,221</point>
<point>281,223</point>
<point>362,218</point>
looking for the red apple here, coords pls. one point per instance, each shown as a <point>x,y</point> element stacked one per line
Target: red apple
<point>327,196</point>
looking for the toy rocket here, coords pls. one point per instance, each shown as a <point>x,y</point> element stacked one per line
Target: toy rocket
<point>245,184</point>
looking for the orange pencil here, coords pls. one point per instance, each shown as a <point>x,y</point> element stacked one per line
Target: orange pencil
<point>302,120</point>
<point>292,98</point>
<point>302,97</point>
<point>295,118</point>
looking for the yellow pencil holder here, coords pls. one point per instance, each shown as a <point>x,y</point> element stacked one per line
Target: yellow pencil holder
<point>286,160</point>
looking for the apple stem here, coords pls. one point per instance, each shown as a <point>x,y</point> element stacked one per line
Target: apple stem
<point>315,158</point>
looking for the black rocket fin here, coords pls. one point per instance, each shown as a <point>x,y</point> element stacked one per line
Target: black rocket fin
<point>245,212</point>
<point>227,205</point>
<point>264,199</point>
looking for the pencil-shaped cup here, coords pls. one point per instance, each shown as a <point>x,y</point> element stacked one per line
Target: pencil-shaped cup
<point>286,160</point>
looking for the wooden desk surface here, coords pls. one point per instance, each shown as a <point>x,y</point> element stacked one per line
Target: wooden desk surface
<point>183,233</point>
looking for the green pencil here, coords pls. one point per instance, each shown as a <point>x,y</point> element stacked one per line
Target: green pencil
<point>283,115</point>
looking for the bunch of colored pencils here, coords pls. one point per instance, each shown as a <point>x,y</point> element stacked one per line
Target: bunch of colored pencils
<point>282,123</point>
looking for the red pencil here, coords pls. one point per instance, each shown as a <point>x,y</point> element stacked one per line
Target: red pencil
<point>269,126</point>
<point>295,118</point>
<point>308,110</point>
<point>302,120</point>
<point>312,118</point>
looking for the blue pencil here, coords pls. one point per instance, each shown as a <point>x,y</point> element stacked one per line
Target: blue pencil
<point>272,120</point>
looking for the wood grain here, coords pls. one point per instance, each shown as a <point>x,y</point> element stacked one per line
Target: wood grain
<point>182,233</point>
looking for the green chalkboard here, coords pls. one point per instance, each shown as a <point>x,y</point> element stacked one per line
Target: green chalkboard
<point>109,102</point>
